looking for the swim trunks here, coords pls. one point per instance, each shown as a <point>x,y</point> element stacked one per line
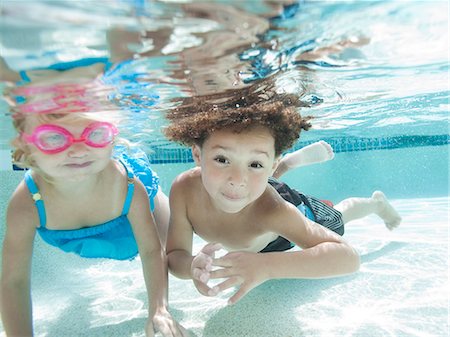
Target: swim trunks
<point>313,208</point>
<point>113,239</point>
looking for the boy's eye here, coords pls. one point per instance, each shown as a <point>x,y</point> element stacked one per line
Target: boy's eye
<point>256,165</point>
<point>221,160</point>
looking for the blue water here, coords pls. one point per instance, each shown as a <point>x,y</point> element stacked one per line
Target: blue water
<point>388,93</point>
<point>382,105</point>
<point>392,90</point>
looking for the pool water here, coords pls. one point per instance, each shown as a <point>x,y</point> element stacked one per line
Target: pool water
<point>383,105</point>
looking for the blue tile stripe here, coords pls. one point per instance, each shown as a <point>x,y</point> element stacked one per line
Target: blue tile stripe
<point>168,154</point>
<point>163,155</point>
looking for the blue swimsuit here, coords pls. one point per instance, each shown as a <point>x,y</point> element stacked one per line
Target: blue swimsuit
<point>113,239</point>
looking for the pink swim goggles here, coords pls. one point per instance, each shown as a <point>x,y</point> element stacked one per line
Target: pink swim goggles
<point>50,138</point>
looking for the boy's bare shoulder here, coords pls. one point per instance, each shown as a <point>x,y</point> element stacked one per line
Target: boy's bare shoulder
<point>272,207</point>
<point>188,177</point>
<point>272,201</point>
<point>187,181</point>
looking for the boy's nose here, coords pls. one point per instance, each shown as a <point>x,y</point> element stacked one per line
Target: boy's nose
<point>238,178</point>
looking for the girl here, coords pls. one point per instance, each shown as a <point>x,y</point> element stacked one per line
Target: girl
<point>82,196</point>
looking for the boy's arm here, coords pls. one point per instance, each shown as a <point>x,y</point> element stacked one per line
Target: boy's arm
<point>16,306</point>
<point>179,243</point>
<point>324,254</point>
<point>180,235</point>
<point>161,215</point>
<point>154,265</point>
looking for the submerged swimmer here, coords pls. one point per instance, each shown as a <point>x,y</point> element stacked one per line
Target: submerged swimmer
<point>231,200</point>
<point>86,196</point>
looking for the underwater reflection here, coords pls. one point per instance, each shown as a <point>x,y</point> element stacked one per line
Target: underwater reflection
<point>167,55</point>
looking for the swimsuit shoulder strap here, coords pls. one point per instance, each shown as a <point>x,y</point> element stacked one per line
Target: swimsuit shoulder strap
<point>130,191</point>
<point>34,190</point>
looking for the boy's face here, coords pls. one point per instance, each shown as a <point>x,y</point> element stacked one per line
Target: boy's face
<point>236,166</point>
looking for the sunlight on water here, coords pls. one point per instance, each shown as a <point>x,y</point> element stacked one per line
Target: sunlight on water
<point>114,292</point>
<point>403,291</point>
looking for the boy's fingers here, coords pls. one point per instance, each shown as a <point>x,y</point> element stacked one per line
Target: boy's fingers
<point>210,248</point>
<point>220,273</point>
<point>222,262</point>
<point>202,261</point>
<point>200,275</point>
<point>204,289</point>
<point>228,283</point>
<point>238,295</point>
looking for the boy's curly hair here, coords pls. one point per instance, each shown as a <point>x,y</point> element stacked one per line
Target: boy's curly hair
<point>197,117</point>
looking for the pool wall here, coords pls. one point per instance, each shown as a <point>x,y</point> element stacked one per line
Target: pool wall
<point>418,172</point>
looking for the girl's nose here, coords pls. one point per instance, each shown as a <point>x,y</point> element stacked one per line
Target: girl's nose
<point>78,150</point>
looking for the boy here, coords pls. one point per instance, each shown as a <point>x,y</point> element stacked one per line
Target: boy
<point>228,201</point>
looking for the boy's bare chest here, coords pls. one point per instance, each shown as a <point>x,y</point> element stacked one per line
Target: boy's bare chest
<point>234,233</point>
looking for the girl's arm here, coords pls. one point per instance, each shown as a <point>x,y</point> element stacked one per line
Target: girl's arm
<point>154,265</point>
<point>15,299</point>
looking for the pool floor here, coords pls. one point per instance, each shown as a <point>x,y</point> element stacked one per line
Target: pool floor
<point>402,289</point>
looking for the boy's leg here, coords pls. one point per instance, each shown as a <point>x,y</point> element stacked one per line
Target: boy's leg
<point>357,208</point>
<point>311,154</point>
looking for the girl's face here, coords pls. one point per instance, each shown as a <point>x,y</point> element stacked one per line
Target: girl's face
<point>74,162</point>
<point>236,166</point>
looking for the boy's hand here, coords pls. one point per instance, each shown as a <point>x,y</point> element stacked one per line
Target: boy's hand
<point>243,269</point>
<point>201,269</point>
<point>163,322</point>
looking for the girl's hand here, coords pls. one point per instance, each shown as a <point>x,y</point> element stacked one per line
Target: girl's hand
<point>243,269</point>
<point>201,269</point>
<point>163,322</point>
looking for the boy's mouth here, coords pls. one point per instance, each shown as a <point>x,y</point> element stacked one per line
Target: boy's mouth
<point>233,197</point>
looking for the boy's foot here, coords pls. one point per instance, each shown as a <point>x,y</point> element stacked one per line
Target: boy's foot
<point>314,153</point>
<point>386,212</point>
<point>311,154</point>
